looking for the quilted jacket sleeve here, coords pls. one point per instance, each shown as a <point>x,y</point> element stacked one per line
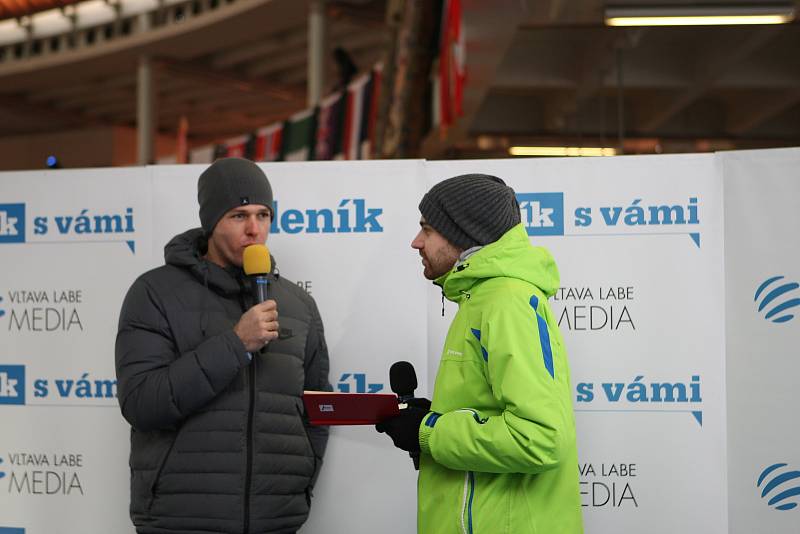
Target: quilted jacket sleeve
<point>158,387</point>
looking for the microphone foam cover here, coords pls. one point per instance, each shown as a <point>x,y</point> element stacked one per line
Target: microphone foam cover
<point>256,260</point>
<point>402,378</point>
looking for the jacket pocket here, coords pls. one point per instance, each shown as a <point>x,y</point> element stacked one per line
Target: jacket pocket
<point>157,476</point>
<point>492,504</point>
<point>312,455</point>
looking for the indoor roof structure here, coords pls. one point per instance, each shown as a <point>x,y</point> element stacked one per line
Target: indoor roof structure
<point>545,72</point>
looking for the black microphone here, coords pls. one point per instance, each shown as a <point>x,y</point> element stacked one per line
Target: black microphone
<point>257,263</point>
<point>403,381</point>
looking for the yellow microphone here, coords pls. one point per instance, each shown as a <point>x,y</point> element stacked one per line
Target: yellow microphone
<point>257,263</point>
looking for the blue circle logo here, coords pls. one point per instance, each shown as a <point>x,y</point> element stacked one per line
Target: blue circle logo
<point>776,299</point>
<point>782,487</point>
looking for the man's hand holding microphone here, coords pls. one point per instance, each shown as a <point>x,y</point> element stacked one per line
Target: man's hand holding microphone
<point>259,325</point>
<point>404,428</point>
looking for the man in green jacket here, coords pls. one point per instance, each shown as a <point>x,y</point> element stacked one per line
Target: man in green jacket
<point>497,445</point>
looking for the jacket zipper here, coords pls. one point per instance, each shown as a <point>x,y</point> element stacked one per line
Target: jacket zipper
<point>249,442</point>
<point>466,505</point>
<point>251,378</point>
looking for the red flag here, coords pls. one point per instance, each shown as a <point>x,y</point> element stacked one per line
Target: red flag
<point>268,142</point>
<point>352,122</point>
<point>452,60</point>
<point>236,147</point>
<point>371,112</point>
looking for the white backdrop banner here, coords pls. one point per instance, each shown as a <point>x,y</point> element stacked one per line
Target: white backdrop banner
<point>639,243</point>
<point>341,230</point>
<point>71,242</point>
<point>762,219</point>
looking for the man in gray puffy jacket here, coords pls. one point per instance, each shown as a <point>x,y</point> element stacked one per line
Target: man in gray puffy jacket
<point>211,382</point>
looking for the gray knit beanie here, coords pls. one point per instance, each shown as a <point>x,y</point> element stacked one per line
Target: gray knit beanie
<point>471,209</point>
<point>228,183</point>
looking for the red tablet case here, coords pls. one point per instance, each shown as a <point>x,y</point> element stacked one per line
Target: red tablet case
<point>332,408</point>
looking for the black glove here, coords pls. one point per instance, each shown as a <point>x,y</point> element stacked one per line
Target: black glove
<point>404,428</point>
<point>420,402</point>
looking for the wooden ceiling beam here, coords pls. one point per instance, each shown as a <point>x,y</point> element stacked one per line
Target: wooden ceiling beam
<point>598,61</point>
<point>711,68</point>
<point>760,110</point>
<point>283,41</point>
<point>55,116</point>
<point>231,79</point>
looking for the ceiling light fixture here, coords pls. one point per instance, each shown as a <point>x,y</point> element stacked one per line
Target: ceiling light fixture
<point>561,151</point>
<point>699,15</point>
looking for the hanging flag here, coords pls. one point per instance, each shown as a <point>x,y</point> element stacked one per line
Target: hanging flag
<point>329,120</point>
<point>182,148</point>
<point>452,61</point>
<point>236,147</point>
<point>459,64</point>
<point>370,112</point>
<point>268,142</point>
<point>298,139</point>
<point>203,154</point>
<point>346,123</point>
<point>352,121</point>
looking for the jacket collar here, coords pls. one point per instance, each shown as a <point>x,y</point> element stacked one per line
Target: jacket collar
<point>187,251</point>
<point>511,256</point>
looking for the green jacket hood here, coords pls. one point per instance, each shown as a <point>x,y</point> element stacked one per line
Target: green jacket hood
<point>511,256</point>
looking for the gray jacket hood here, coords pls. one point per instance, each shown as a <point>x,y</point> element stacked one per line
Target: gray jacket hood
<point>187,250</point>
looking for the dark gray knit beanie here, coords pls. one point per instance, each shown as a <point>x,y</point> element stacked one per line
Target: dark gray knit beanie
<point>471,209</point>
<point>228,183</point>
